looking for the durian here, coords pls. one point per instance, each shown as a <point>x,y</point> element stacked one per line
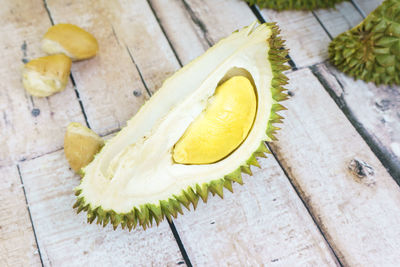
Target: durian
<point>70,40</point>
<point>45,76</point>
<point>80,145</point>
<point>280,5</point>
<point>371,50</point>
<point>205,126</point>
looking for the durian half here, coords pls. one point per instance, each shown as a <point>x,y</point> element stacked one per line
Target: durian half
<point>136,178</point>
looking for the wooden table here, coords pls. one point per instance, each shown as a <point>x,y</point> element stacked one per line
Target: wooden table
<point>326,196</point>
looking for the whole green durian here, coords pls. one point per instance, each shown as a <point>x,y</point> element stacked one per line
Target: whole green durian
<point>294,4</point>
<point>371,50</point>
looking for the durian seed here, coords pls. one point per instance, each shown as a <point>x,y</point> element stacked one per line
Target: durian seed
<point>70,40</point>
<point>45,76</point>
<point>80,145</point>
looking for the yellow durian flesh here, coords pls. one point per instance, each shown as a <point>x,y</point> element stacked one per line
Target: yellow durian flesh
<point>222,127</point>
<point>70,40</point>
<point>47,75</point>
<point>80,145</point>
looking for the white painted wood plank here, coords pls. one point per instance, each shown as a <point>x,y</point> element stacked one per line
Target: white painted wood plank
<point>375,109</point>
<point>65,239</point>
<point>353,198</point>
<point>340,19</point>
<point>305,37</point>
<point>367,6</point>
<point>109,84</point>
<point>220,17</point>
<point>174,18</point>
<point>264,221</point>
<point>27,122</point>
<point>17,241</point>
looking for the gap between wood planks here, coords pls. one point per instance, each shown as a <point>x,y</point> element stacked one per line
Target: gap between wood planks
<point>30,215</point>
<point>71,75</point>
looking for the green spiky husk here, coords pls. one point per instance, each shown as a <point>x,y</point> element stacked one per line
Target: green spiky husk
<point>146,215</point>
<point>371,50</point>
<point>280,5</point>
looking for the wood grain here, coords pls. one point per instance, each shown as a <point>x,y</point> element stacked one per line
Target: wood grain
<point>349,192</point>
<point>339,19</point>
<point>264,221</point>
<point>65,239</point>
<point>367,6</point>
<point>218,18</point>
<point>373,109</point>
<point>132,48</point>
<point>29,126</point>
<point>305,38</point>
<point>188,20</point>
<point>180,24</point>
<point>17,241</point>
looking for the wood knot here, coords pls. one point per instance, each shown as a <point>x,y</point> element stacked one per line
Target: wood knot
<point>362,171</point>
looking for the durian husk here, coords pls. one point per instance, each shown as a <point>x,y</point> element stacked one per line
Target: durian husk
<point>371,50</point>
<point>280,5</point>
<point>145,215</point>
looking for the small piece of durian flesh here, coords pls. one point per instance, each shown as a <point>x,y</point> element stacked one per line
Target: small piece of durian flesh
<point>45,76</point>
<point>80,145</point>
<point>221,127</point>
<point>70,40</point>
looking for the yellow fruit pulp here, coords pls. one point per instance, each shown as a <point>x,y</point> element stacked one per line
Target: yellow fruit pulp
<point>71,40</point>
<point>222,126</point>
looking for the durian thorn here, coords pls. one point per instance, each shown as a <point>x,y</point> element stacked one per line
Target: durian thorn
<point>228,185</point>
<point>183,200</point>
<point>202,192</point>
<point>78,192</point>
<point>142,214</point>
<point>191,196</point>
<point>216,187</point>
<point>235,176</point>
<point>176,206</point>
<point>253,161</point>
<point>106,220</point>
<point>246,169</point>
<point>278,107</point>
<point>123,223</point>
<point>78,203</point>
<point>156,212</point>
